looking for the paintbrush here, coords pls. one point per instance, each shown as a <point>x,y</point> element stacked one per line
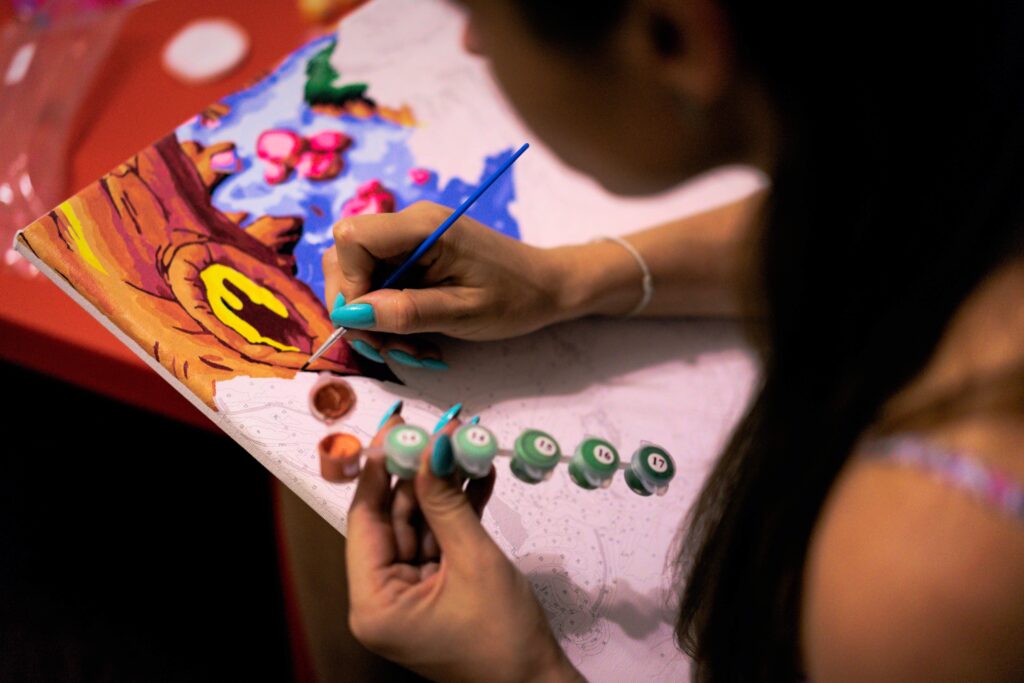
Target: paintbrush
<point>416,255</point>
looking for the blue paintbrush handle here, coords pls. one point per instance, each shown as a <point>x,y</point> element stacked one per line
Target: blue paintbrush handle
<point>393,279</point>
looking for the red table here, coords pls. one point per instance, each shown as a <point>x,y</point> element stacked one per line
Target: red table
<point>133,101</point>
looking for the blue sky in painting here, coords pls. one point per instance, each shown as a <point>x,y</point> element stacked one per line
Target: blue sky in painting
<point>379,151</point>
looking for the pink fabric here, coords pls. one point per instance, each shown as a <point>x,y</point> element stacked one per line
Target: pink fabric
<point>963,471</point>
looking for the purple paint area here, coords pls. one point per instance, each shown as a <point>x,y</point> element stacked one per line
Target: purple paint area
<point>379,152</point>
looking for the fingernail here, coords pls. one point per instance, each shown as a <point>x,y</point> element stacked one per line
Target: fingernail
<point>475,420</point>
<point>449,415</point>
<point>404,358</point>
<point>433,364</point>
<point>356,316</point>
<point>442,460</point>
<point>395,409</point>
<point>339,301</point>
<point>364,349</point>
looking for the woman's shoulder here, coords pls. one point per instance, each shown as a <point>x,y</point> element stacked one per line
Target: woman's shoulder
<point>916,571</point>
<point>912,577</point>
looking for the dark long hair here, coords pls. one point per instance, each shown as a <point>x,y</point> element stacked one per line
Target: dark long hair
<point>899,186</point>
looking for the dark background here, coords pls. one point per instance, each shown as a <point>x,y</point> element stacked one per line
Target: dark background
<point>132,547</point>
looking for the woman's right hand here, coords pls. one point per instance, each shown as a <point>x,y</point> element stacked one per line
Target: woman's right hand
<point>475,283</point>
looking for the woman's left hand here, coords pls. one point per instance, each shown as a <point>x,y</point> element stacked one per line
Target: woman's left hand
<point>471,616</point>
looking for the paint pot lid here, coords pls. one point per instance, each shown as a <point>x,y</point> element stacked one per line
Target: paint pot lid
<point>474,441</point>
<point>538,449</point>
<point>404,443</point>
<point>654,462</point>
<point>599,455</point>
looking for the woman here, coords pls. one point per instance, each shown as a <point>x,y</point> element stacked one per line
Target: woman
<point>881,278</point>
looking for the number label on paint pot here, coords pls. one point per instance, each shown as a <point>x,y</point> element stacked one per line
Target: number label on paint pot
<point>410,438</point>
<point>545,446</point>
<point>478,437</point>
<point>657,462</point>
<point>603,454</point>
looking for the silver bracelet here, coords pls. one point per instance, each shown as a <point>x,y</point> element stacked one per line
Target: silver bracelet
<point>648,281</point>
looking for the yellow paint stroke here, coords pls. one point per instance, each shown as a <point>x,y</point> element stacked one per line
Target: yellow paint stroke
<point>222,301</point>
<point>78,235</point>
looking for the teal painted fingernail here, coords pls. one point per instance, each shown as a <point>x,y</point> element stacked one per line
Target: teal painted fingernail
<point>475,420</point>
<point>356,316</point>
<point>434,364</point>
<point>364,349</point>
<point>442,460</point>
<point>404,358</point>
<point>339,301</point>
<point>449,415</point>
<point>395,409</point>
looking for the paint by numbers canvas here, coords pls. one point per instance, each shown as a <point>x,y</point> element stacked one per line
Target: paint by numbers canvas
<point>203,254</point>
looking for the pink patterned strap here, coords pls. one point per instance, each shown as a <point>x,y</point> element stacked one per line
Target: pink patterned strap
<point>960,470</point>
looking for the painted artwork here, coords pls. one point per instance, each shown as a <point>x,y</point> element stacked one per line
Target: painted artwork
<point>306,143</point>
<point>206,248</point>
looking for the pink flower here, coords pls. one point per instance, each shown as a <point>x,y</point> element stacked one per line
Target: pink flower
<point>317,157</point>
<point>419,176</point>
<point>371,197</point>
<point>329,141</point>
<point>279,145</point>
<point>318,165</point>
<point>275,172</point>
<point>225,162</point>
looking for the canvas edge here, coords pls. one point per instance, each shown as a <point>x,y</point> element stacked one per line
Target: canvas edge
<point>280,472</point>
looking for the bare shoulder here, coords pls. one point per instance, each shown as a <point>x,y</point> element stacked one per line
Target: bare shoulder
<point>908,578</point>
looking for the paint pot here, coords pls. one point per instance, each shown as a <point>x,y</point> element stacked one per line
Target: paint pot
<point>474,448</point>
<point>535,455</point>
<point>594,463</point>
<point>339,457</point>
<point>650,470</point>
<point>331,398</point>
<point>403,447</point>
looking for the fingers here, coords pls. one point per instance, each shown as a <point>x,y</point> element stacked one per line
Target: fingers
<point>428,569</point>
<point>479,491</point>
<point>371,544</point>
<point>448,510</point>
<point>404,351</point>
<point>362,241</point>
<point>409,311</point>
<point>392,418</point>
<point>370,502</point>
<point>332,277</point>
<point>429,550</point>
<point>413,540</point>
<point>366,344</point>
<point>404,514</point>
<point>429,513</point>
